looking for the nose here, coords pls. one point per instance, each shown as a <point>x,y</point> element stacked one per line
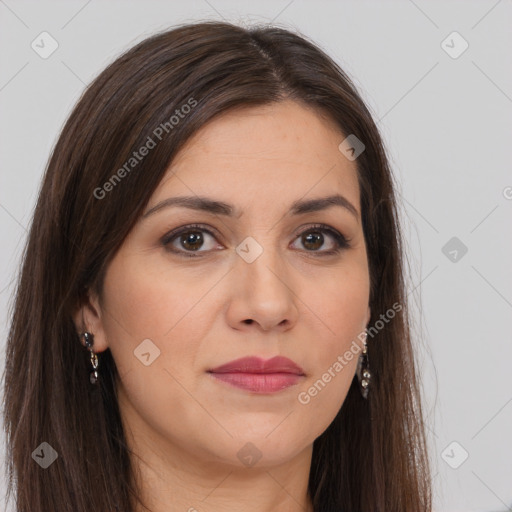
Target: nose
<point>262,294</point>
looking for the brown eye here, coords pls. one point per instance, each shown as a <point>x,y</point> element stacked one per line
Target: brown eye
<point>188,240</point>
<point>314,238</point>
<point>192,240</point>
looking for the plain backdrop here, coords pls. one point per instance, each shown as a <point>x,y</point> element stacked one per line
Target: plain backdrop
<point>445,112</point>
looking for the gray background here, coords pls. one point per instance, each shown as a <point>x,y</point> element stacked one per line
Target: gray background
<point>447,125</point>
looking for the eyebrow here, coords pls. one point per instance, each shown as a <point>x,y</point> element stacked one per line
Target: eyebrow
<point>208,205</point>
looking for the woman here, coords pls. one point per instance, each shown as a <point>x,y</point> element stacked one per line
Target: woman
<point>211,313</point>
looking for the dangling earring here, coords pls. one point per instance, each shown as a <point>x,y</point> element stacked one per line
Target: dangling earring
<point>88,340</point>
<point>363,369</point>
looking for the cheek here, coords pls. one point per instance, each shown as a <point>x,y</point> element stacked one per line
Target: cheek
<point>151,310</point>
<point>340,304</point>
<point>339,311</point>
<point>151,297</point>
<point>157,303</point>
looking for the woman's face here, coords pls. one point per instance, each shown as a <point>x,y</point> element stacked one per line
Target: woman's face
<point>258,278</point>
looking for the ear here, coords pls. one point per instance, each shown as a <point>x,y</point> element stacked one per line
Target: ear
<point>89,317</point>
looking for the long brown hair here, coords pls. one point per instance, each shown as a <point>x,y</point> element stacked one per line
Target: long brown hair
<point>373,455</point>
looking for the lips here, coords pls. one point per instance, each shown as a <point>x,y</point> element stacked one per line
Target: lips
<point>278,364</point>
<point>259,376</point>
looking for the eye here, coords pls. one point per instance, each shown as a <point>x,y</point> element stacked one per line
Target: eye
<point>313,238</point>
<point>188,239</point>
<point>192,238</point>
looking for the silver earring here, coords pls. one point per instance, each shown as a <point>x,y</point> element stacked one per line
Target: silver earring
<point>363,370</point>
<point>88,340</point>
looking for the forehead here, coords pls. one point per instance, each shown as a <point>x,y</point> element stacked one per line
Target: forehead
<point>260,155</point>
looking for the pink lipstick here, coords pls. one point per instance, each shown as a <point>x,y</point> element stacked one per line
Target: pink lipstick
<point>259,376</point>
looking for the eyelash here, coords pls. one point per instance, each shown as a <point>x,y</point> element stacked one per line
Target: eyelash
<point>341,241</point>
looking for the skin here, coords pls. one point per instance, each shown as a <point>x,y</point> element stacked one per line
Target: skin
<point>185,427</point>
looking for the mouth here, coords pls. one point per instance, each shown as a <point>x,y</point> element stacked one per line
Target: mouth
<point>259,376</point>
